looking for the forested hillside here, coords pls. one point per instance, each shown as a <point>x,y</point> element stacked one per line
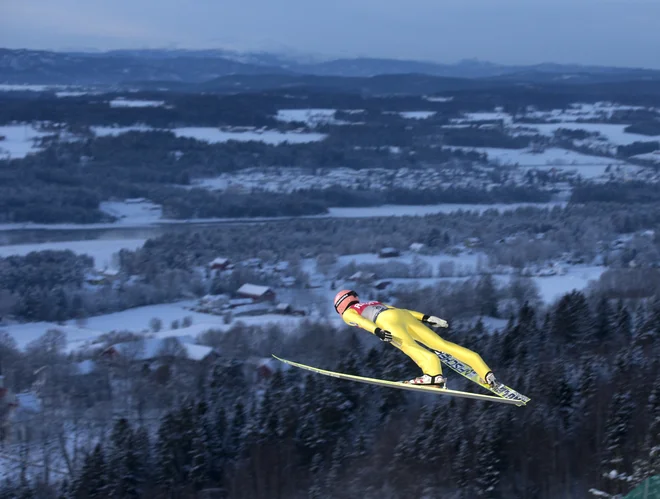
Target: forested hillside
<point>589,365</point>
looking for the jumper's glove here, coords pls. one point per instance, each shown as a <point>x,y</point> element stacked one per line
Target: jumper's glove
<point>435,321</point>
<point>385,336</point>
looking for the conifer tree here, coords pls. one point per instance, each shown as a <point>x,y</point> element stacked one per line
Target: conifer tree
<point>604,326</point>
<point>201,458</point>
<point>463,469</point>
<point>119,446</point>
<point>487,481</point>
<point>169,461</point>
<point>236,431</point>
<point>337,463</point>
<point>93,479</point>
<point>572,323</point>
<point>131,482</point>
<point>316,489</point>
<point>486,294</point>
<point>623,327</point>
<point>218,448</point>
<point>615,460</point>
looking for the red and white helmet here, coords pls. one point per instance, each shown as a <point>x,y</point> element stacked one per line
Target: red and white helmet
<point>344,299</point>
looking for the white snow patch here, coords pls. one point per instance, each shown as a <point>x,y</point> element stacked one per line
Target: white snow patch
<point>85,367</point>
<point>62,90</point>
<point>485,116</point>
<point>72,93</point>
<point>438,98</point>
<point>216,135</point>
<point>310,117</point>
<point>314,116</point>
<point>133,212</point>
<point>28,401</point>
<point>19,140</point>
<point>650,156</point>
<point>121,102</point>
<point>104,131</point>
<point>417,115</point>
<point>101,250</point>
<point>7,87</point>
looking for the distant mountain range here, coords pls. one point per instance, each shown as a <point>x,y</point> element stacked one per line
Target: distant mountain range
<point>199,66</point>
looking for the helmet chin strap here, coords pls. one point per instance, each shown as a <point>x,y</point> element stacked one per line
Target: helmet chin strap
<point>351,304</point>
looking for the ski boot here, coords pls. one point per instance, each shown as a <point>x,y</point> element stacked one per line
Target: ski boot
<point>438,381</point>
<point>491,381</point>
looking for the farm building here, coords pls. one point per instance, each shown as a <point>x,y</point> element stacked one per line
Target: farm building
<point>256,293</point>
<point>220,264</point>
<point>388,253</point>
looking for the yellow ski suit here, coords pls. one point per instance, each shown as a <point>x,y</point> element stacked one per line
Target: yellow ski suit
<point>406,328</point>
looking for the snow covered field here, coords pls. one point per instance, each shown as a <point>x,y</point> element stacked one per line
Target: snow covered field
<point>577,278</point>
<point>133,212</point>
<point>19,140</point>
<point>101,250</point>
<point>589,167</point>
<point>137,320</point>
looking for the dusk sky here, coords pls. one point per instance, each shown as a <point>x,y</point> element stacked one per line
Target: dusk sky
<point>603,32</point>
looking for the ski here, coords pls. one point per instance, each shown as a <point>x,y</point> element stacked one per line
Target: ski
<point>404,386</point>
<point>463,369</point>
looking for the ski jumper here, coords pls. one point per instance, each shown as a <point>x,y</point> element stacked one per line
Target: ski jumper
<point>406,328</point>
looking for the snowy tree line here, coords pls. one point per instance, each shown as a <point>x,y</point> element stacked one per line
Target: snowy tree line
<point>61,182</point>
<point>589,364</point>
<point>536,235</point>
<point>33,191</point>
<point>49,285</point>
